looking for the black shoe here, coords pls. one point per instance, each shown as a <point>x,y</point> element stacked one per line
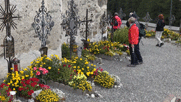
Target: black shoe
<point>131,65</point>
<point>157,45</point>
<point>161,44</point>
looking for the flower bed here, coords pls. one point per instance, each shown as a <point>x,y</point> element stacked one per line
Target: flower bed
<point>74,72</point>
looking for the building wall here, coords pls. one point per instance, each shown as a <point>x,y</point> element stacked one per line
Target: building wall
<point>26,41</point>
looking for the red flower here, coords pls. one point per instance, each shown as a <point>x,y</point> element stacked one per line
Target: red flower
<point>30,92</point>
<point>20,89</point>
<point>24,85</point>
<point>41,85</point>
<point>33,84</point>
<point>64,65</point>
<point>27,81</point>
<point>35,79</point>
<point>69,65</point>
<point>2,85</point>
<point>23,79</point>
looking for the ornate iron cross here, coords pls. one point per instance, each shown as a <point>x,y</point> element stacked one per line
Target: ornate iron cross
<point>137,17</point>
<point>121,14</point>
<point>147,18</point>
<point>71,23</point>
<point>43,25</point>
<point>171,20</point>
<point>103,23</point>
<point>8,42</point>
<point>8,17</point>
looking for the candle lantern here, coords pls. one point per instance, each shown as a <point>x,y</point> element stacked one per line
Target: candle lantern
<point>16,64</point>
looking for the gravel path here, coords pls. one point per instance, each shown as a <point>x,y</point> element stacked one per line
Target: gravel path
<point>155,80</point>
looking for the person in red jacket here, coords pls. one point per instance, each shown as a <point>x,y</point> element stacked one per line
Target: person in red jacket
<point>133,36</point>
<point>118,25</point>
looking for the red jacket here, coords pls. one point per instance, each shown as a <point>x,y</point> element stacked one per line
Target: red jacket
<point>133,34</point>
<point>119,22</point>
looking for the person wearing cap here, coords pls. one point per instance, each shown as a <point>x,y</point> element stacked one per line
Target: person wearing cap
<point>133,36</point>
<point>159,30</point>
<point>118,19</point>
<point>131,14</point>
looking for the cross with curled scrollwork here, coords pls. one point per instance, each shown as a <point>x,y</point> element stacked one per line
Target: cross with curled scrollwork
<point>7,18</point>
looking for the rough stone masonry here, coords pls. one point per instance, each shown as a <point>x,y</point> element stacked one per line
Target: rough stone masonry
<point>26,41</point>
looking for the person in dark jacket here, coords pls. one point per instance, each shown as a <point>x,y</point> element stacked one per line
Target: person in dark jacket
<point>133,36</point>
<point>159,30</point>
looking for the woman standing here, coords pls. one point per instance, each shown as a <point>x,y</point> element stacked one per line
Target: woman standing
<point>159,30</point>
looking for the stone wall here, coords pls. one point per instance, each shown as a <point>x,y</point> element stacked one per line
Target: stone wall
<point>26,41</point>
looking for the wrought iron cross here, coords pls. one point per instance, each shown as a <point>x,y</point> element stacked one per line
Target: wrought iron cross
<point>137,17</point>
<point>71,23</point>
<point>43,25</point>
<point>8,42</point>
<point>147,18</point>
<point>121,14</point>
<point>86,20</point>
<point>8,17</point>
<point>171,20</point>
<point>103,23</point>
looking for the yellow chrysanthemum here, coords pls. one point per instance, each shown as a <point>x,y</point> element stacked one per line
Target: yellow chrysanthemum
<point>49,68</point>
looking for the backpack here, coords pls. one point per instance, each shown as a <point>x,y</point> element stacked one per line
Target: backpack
<point>142,32</point>
<point>115,22</point>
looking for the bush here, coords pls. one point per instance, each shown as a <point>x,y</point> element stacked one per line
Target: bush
<point>121,36</point>
<point>65,72</point>
<point>52,64</point>
<point>81,65</point>
<point>86,53</point>
<point>104,79</point>
<point>5,93</point>
<point>80,82</point>
<point>171,34</point>
<point>65,50</point>
<point>46,95</point>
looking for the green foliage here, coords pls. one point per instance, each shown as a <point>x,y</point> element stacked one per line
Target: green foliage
<point>65,50</point>
<point>4,93</point>
<point>47,96</point>
<point>86,53</point>
<point>121,36</point>
<point>65,73</point>
<point>154,7</point>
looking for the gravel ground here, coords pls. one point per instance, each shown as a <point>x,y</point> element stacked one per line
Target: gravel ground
<point>155,80</point>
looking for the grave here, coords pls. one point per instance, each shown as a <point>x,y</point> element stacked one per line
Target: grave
<point>26,38</point>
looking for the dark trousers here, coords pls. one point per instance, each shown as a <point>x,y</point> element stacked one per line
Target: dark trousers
<point>135,55</point>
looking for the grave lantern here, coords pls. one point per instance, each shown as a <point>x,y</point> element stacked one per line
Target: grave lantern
<point>16,64</point>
